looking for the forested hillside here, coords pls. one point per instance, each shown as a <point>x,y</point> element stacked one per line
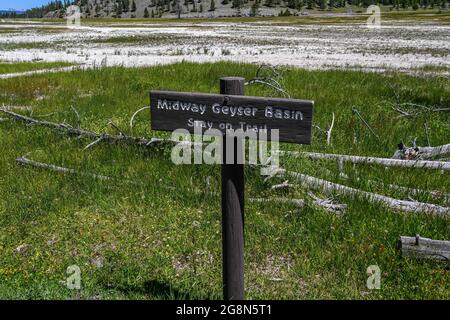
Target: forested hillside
<point>207,8</point>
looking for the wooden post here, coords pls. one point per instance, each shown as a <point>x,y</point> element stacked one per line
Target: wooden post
<point>424,248</point>
<point>232,208</point>
<point>171,110</point>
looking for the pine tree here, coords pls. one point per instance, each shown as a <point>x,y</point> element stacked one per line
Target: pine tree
<point>146,15</point>
<point>133,6</point>
<point>212,6</point>
<point>254,10</point>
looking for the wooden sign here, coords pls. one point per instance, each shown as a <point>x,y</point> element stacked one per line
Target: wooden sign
<point>225,111</point>
<point>174,110</point>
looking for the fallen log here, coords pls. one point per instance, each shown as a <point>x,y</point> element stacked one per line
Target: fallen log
<point>27,162</point>
<point>282,186</point>
<point>104,137</point>
<point>434,194</point>
<point>388,162</point>
<point>35,72</point>
<point>395,204</point>
<point>424,248</point>
<point>296,202</point>
<point>417,192</point>
<point>326,204</point>
<point>420,152</point>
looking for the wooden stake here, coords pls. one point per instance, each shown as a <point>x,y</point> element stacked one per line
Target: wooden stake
<point>424,248</point>
<point>233,207</point>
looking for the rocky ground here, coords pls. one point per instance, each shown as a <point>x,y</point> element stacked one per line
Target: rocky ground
<point>400,46</point>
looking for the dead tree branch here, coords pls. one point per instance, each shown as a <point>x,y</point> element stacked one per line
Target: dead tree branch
<point>27,162</point>
<point>388,162</point>
<point>267,75</point>
<point>326,204</point>
<point>395,204</point>
<point>414,152</point>
<point>424,248</point>
<point>135,114</point>
<point>409,109</point>
<point>393,187</point>
<point>329,131</point>
<point>296,202</point>
<point>356,112</point>
<point>282,186</point>
<point>78,132</point>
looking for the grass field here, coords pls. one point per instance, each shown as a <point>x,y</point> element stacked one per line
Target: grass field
<point>322,17</point>
<point>7,67</point>
<point>161,239</point>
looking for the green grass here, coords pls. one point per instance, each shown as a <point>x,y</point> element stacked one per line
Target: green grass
<point>318,16</point>
<point>433,68</point>
<point>162,239</point>
<point>9,30</point>
<point>7,67</point>
<point>140,39</point>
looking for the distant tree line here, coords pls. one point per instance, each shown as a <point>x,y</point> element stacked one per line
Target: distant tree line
<point>156,8</point>
<point>11,14</point>
<point>56,5</point>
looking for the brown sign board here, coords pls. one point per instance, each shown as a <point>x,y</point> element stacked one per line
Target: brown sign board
<point>186,110</point>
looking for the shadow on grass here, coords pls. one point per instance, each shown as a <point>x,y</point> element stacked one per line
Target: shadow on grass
<point>158,290</point>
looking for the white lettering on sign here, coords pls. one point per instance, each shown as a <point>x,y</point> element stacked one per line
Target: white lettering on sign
<point>199,123</point>
<point>183,106</point>
<point>231,111</point>
<point>283,114</point>
<point>234,111</point>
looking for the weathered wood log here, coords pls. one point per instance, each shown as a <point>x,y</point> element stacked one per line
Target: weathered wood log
<point>326,204</point>
<point>27,162</point>
<point>104,137</point>
<point>296,202</point>
<point>395,204</point>
<point>329,131</point>
<point>35,72</point>
<point>434,194</point>
<point>412,153</point>
<point>430,152</point>
<point>416,192</point>
<point>388,162</point>
<point>424,248</point>
<point>282,186</point>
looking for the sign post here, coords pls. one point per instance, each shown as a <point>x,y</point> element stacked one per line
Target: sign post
<point>232,207</point>
<point>231,110</point>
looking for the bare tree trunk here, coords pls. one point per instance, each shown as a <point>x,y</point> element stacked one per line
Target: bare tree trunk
<point>323,203</point>
<point>424,248</point>
<point>88,134</point>
<point>411,191</point>
<point>395,204</point>
<point>431,152</point>
<point>388,162</point>
<point>27,162</point>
